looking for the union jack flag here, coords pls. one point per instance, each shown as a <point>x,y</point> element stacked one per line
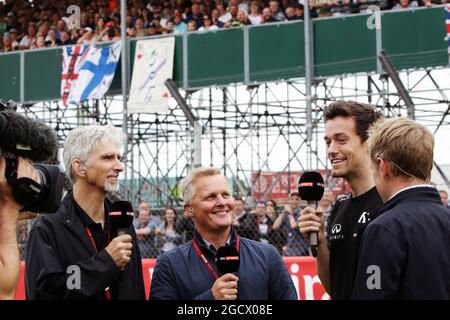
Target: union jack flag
<point>447,24</point>
<point>72,61</point>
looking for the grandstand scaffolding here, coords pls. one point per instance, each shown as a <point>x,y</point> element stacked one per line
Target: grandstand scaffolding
<point>254,126</point>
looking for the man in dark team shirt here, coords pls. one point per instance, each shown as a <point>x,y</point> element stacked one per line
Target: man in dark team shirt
<point>346,125</point>
<point>404,253</point>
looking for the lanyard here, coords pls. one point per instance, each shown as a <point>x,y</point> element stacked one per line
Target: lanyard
<point>206,262</point>
<point>107,293</point>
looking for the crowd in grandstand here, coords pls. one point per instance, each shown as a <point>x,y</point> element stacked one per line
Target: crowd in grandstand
<point>35,24</point>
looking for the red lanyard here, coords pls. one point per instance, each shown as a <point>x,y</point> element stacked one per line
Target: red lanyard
<point>206,262</point>
<point>107,293</point>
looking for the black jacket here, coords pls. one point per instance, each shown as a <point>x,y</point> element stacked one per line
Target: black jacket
<point>59,245</point>
<point>405,252</point>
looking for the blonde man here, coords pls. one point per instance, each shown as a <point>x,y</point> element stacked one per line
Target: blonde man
<point>405,252</point>
<point>190,271</point>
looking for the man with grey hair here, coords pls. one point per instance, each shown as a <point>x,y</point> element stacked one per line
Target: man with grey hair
<point>190,271</point>
<point>70,254</point>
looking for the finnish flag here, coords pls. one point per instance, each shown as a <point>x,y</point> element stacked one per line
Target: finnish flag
<point>96,74</point>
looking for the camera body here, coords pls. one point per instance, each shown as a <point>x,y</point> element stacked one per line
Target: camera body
<point>20,136</point>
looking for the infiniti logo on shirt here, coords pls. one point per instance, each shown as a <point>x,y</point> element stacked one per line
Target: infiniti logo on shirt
<point>336,229</point>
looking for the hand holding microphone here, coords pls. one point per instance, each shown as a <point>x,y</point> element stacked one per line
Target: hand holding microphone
<point>311,188</point>
<point>228,261</point>
<point>120,250</point>
<point>121,218</point>
<point>311,221</point>
<point>225,288</point>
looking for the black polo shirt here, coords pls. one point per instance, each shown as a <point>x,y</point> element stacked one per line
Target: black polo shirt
<point>99,234</point>
<point>348,220</point>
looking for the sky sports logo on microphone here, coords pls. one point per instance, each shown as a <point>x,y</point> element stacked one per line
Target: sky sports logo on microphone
<point>311,184</point>
<point>228,258</point>
<point>119,213</point>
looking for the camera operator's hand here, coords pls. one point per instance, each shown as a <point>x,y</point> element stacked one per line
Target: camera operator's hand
<point>120,250</point>
<point>9,214</point>
<point>25,169</point>
<point>7,201</point>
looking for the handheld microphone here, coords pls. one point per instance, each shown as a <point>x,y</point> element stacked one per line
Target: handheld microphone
<point>227,260</point>
<point>121,217</point>
<point>311,188</point>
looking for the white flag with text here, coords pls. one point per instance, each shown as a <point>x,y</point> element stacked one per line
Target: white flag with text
<point>153,64</point>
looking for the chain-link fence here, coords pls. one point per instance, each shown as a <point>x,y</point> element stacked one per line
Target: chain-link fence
<point>154,238</point>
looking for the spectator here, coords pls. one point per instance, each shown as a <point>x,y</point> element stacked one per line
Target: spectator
<point>166,17</point>
<point>230,15</point>
<point>43,29</point>
<point>140,28</point>
<point>245,222</point>
<point>405,4</point>
<point>277,13</point>
<point>29,40</point>
<point>14,36</point>
<point>278,236</point>
<point>300,11</point>
<point>207,24</point>
<point>22,237</point>
<point>131,32</point>
<point>88,36</point>
<point>271,207</point>
<point>241,19</point>
<point>287,221</point>
<point>166,237</point>
<point>145,226</point>
<point>242,6</point>
<point>444,198</point>
<point>169,27</point>
<point>195,15</point>
<point>255,15</point>
<point>290,13</point>
<point>50,40</point>
<point>7,46</point>
<point>265,224</point>
<point>151,29</point>
<point>215,18</point>
<point>65,38</point>
<point>326,205</point>
<point>185,227</point>
<point>129,21</point>
<point>159,28</point>
<point>192,26</point>
<point>267,16</point>
<point>180,26</point>
<point>60,27</point>
<point>40,42</point>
